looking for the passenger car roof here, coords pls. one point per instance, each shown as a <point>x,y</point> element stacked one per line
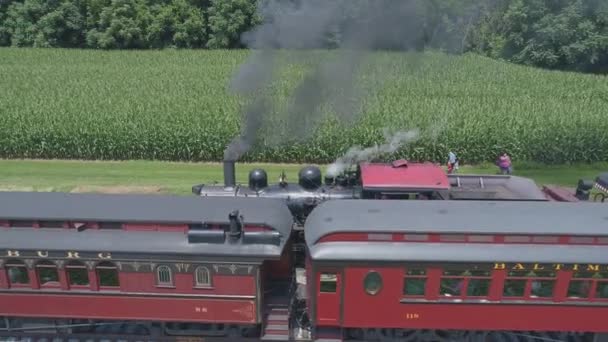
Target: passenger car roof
<point>543,218</point>
<point>143,208</point>
<point>129,244</point>
<point>457,252</point>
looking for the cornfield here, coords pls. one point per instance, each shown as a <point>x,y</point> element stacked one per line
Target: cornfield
<point>174,105</point>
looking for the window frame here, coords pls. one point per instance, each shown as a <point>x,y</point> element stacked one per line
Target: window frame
<point>425,277</point>
<point>370,275</point>
<point>105,265</point>
<point>529,278</point>
<point>16,263</point>
<point>202,285</point>
<point>334,281</point>
<point>594,280</point>
<point>75,264</point>
<point>169,271</point>
<point>465,276</point>
<point>48,264</point>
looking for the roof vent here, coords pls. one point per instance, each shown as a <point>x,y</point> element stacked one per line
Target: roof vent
<point>400,163</point>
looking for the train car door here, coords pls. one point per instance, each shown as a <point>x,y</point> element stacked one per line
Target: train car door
<point>329,293</point>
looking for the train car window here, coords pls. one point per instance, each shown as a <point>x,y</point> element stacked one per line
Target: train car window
<point>480,238</point>
<point>582,282</point>
<point>107,273</point>
<point>602,241</point>
<point>479,284</point>
<point>452,238</point>
<point>543,284</point>
<point>601,291</point>
<point>414,282</point>
<point>452,283</point>
<point>17,272</point>
<point>515,284</point>
<point>517,238</point>
<point>545,239</point>
<point>581,240</point>
<point>514,288</point>
<point>416,237</point>
<point>47,273</point>
<point>579,289</point>
<point>202,277</point>
<point>329,282</point>
<point>22,223</point>
<point>542,288</point>
<point>77,274</point>
<point>164,276</point>
<point>51,224</point>
<point>110,225</point>
<point>372,283</point>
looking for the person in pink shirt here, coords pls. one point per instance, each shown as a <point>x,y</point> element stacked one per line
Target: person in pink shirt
<point>504,163</point>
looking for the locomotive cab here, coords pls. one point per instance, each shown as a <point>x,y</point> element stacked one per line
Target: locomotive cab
<point>403,180</point>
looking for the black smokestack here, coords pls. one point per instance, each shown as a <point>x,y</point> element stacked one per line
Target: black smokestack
<point>229,174</point>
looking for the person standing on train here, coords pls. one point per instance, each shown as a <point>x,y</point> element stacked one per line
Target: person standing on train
<point>452,162</point>
<point>504,164</point>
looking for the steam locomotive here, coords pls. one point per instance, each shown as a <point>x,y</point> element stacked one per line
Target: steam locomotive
<point>399,179</point>
<point>301,197</point>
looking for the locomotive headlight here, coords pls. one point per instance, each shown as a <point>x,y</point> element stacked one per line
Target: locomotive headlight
<point>372,283</point>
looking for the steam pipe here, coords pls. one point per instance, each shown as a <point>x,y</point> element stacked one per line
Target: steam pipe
<point>229,174</point>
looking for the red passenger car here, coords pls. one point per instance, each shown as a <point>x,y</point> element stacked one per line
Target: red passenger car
<point>185,266</point>
<point>391,269</point>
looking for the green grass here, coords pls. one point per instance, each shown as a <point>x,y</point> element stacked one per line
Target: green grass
<point>178,178</point>
<point>173,105</point>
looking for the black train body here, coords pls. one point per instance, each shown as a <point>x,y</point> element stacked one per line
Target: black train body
<point>301,197</point>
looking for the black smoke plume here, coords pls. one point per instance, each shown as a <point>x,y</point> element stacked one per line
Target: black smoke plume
<point>293,31</point>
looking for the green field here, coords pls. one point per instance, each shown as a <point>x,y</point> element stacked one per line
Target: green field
<point>174,105</point>
<point>178,178</point>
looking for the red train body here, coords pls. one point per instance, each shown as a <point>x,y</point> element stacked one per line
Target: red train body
<point>427,264</point>
<point>496,255</point>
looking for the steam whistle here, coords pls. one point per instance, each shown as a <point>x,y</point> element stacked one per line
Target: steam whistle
<point>283,179</point>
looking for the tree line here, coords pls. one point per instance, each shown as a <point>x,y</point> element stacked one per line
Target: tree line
<point>556,34</point>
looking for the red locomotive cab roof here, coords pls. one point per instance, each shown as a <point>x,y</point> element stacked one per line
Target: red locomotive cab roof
<point>402,174</point>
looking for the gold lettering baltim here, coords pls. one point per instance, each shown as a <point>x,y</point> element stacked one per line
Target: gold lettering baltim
<point>12,253</point>
<point>554,267</point>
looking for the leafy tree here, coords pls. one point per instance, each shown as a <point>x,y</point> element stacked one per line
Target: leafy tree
<point>63,26</point>
<point>228,19</point>
<point>178,24</point>
<point>21,20</point>
<point>121,25</point>
<point>559,34</point>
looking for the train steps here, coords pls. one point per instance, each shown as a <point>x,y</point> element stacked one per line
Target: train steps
<point>277,324</point>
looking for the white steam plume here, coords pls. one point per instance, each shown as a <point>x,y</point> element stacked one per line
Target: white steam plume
<point>357,154</point>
